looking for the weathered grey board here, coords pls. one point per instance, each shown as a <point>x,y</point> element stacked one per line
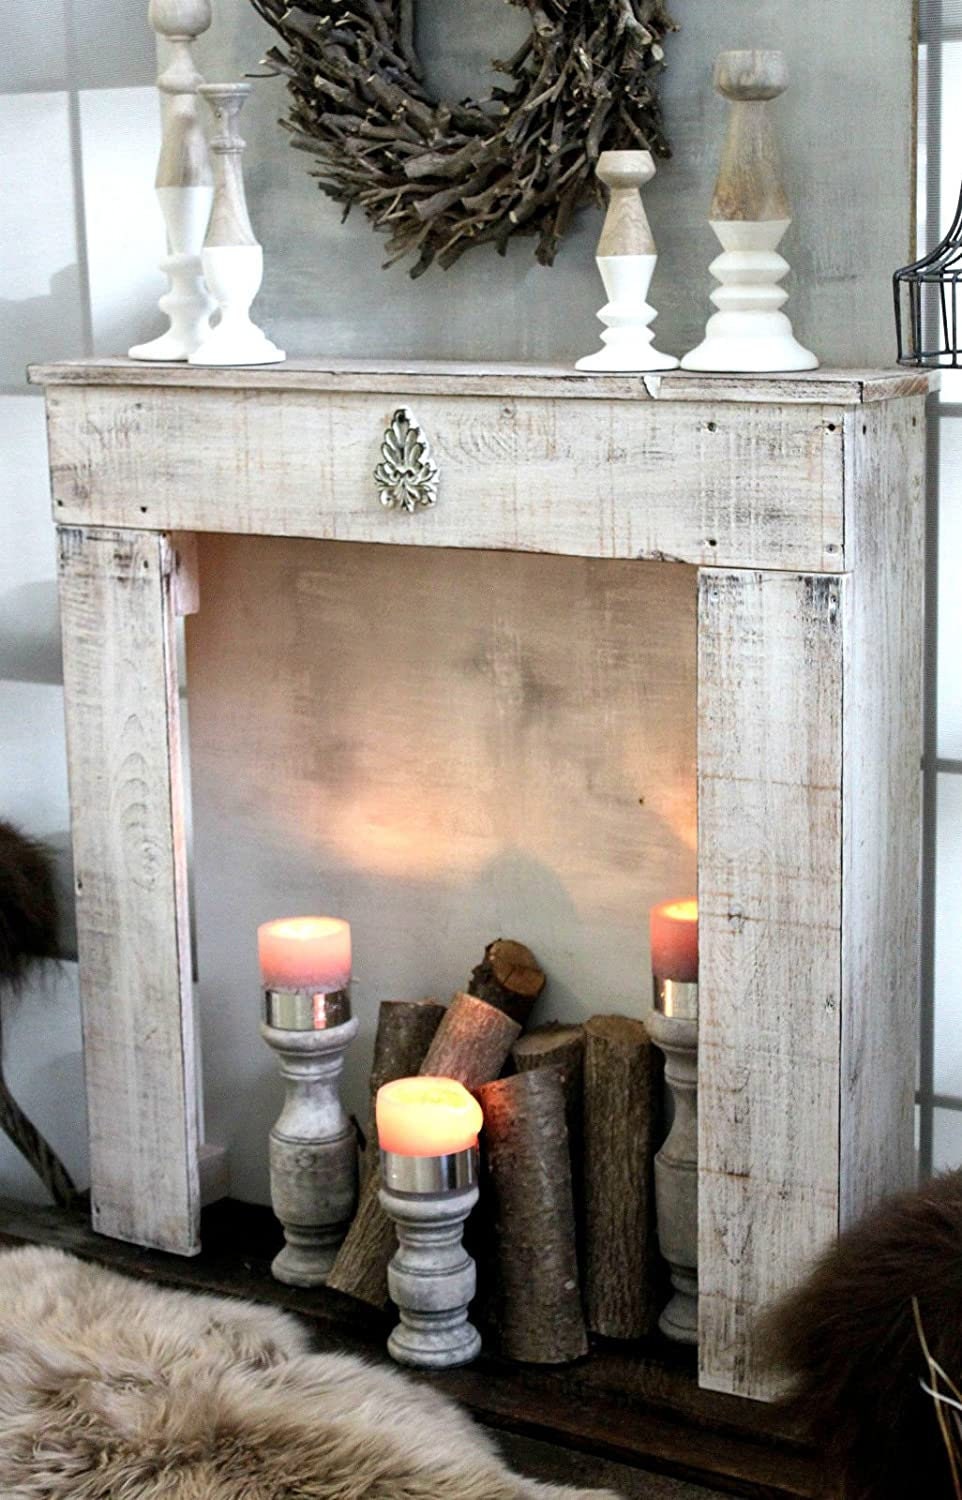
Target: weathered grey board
<point>120,688</point>
<point>443,747</point>
<point>770,892</point>
<point>881,792</point>
<point>685,482</point>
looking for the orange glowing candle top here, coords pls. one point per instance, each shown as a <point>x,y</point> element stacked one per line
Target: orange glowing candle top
<point>426,1117</point>
<point>305,953</point>
<point>674,941</point>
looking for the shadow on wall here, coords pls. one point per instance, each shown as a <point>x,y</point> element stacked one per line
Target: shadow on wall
<point>30,648</point>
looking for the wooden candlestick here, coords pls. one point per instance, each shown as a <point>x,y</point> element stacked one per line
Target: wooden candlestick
<point>313,1146</point>
<point>471,1045</point>
<point>233,260</point>
<point>626,259</point>
<point>676,1173</point>
<point>621,1111</point>
<point>184,183</point>
<point>750,213</point>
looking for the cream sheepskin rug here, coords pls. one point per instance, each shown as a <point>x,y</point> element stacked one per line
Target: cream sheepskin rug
<point>115,1390</point>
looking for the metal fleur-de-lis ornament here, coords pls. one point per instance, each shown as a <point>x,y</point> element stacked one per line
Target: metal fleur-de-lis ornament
<point>407,476</point>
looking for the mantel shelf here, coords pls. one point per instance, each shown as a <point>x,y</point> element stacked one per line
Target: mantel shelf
<point>556,382</point>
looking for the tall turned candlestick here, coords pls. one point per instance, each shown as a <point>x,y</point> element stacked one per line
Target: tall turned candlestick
<point>750,213</point>
<point>233,260</point>
<point>626,259</point>
<point>673,1027</point>
<point>184,183</point>
<point>306,965</point>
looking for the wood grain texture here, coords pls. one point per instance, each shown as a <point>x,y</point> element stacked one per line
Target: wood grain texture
<point>690,482</point>
<point>537,1303</point>
<point>824,387</point>
<point>770,885</point>
<point>405,1029</point>
<point>120,688</point>
<point>621,1116</point>
<point>881,798</point>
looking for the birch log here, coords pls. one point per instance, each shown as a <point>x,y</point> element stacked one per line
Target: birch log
<point>620,1119</point>
<point>537,1303</point>
<point>471,1045</point>
<point>405,1029</point>
<point>509,978</point>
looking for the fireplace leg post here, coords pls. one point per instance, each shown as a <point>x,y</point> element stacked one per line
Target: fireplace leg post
<point>313,1152</point>
<point>676,1174</point>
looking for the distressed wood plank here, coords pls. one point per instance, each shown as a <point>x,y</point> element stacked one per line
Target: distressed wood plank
<point>738,485</point>
<point>770,882</point>
<point>462,378</point>
<point>882,807</point>
<point>120,686</point>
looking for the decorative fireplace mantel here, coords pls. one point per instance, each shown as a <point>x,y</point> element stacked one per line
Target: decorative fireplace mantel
<point>798,499</point>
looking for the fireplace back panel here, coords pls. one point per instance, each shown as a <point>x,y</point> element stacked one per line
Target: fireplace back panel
<point>445,747</point>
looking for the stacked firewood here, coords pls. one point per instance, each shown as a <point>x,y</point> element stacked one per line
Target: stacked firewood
<point>564,1233</point>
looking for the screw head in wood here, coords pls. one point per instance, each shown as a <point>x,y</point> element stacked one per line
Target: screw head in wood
<point>751,75</point>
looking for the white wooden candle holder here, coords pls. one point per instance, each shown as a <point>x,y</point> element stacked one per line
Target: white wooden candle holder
<point>626,259</point>
<point>313,1146</point>
<point>184,182</point>
<point>233,260</point>
<point>431,1279</point>
<point>673,1027</point>
<point>750,213</point>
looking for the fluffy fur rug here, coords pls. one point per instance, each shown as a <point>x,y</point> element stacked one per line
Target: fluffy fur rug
<point>113,1390</point>
<point>848,1341</point>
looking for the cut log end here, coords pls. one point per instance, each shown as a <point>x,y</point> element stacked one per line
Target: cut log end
<point>509,978</point>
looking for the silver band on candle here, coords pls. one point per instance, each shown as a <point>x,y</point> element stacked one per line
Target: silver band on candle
<point>306,1009</point>
<point>429,1174</point>
<point>676,997</point>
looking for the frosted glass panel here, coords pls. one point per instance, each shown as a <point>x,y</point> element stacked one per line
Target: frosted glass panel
<point>32,56</point>
<point>40,307</point>
<point>120,135</point>
<point>947,1139</point>
<point>29,628</point>
<point>950,594</point>
<point>948,940</point>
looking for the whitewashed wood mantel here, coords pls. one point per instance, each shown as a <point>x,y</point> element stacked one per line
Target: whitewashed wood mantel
<point>797,498</point>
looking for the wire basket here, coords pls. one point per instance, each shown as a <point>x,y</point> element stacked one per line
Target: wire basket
<point>927,311</point>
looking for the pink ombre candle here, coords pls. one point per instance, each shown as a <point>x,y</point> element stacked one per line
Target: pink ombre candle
<point>674,941</point>
<point>309,953</point>
<point>426,1116</point>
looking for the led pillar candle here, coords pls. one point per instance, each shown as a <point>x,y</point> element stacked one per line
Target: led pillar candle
<point>673,1027</point>
<point>306,971</point>
<point>428,1133</point>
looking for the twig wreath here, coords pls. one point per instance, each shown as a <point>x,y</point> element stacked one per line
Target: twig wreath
<point>440,178</point>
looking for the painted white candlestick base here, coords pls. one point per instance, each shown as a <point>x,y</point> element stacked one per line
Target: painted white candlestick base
<point>749,333</point>
<point>234,274</point>
<point>676,1175</point>
<point>188,304</point>
<point>626,259</point>
<point>628,341</point>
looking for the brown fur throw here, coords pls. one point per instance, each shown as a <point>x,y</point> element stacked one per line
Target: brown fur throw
<point>115,1390</point>
<point>847,1338</point>
<point>28,904</point>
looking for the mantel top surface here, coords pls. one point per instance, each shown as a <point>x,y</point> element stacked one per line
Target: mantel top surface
<point>819,387</point>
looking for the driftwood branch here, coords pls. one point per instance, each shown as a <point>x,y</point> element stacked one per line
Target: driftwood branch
<point>583,82</point>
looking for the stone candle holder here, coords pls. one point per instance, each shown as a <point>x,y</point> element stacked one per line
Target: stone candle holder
<point>313,1146</point>
<point>431,1279</point>
<point>673,1027</point>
